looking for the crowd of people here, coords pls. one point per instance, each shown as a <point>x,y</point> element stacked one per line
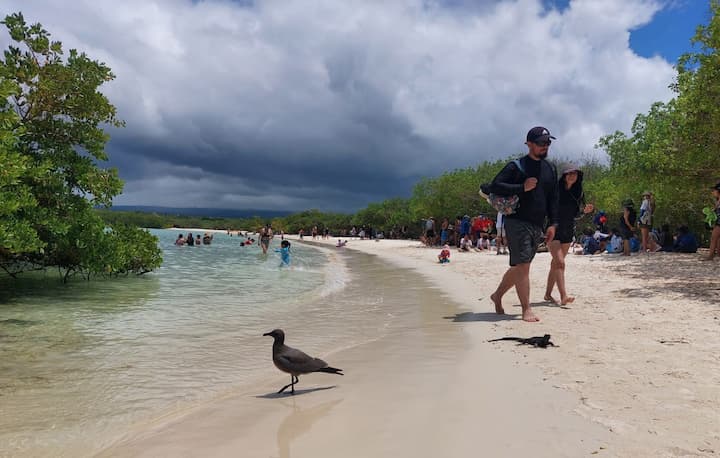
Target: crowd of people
<point>545,216</point>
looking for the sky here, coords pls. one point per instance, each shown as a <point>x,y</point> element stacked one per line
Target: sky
<point>322,104</point>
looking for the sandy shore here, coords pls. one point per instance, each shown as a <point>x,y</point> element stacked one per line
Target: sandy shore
<point>636,373</point>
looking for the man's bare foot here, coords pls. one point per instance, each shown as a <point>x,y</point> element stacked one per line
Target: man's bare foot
<point>530,316</point>
<point>549,298</point>
<point>567,300</point>
<point>498,304</point>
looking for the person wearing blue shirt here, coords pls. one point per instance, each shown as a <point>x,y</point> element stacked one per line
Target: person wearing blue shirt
<point>284,252</point>
<point>685,241</point>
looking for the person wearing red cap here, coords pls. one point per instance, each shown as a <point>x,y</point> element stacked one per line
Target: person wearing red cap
<point>535,182</point>
<point>715,237</point>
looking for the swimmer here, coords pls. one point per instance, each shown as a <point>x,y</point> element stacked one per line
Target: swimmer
<point>284,253</point>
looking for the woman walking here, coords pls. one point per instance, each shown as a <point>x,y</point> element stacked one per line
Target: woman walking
<point>572,205</point>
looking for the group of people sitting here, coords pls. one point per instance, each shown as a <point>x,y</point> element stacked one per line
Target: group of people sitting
<point>595,242</point>
<point>206,239</point>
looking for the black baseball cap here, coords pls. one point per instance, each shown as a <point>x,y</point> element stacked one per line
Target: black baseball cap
<point>717,186</point>
<point>539,133</point>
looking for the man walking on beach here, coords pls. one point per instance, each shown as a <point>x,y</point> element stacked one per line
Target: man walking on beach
<point>537,185</point>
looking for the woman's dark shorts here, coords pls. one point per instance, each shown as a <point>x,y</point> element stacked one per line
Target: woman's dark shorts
<point>626,233</point>
<point>522,240</point>
<point>565,232</point>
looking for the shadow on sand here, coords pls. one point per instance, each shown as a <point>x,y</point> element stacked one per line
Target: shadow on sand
<point>465,317</point>
<point>297,392</point>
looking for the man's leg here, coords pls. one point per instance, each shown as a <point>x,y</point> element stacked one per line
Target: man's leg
<point>522,287</point>
<point>518,276</point>
<point>507,282</point>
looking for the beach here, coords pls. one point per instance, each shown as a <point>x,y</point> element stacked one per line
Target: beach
<point>635,372</point>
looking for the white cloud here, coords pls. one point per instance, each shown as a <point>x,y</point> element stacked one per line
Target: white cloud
<point>352,95</point>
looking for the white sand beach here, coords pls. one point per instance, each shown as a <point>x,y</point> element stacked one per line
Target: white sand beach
<point>636,373</point>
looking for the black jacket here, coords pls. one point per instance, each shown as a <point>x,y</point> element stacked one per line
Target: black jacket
<point>535,205</point>
<point>571,201</point>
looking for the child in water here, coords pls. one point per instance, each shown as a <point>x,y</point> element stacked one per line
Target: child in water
<point>284,252</point>
<point>444,255</point>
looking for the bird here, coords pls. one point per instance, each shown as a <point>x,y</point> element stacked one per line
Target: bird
<point>295,362</point>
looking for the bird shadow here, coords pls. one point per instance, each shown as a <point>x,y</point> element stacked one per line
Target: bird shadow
<point>465,317</point>
<point>286,394</point>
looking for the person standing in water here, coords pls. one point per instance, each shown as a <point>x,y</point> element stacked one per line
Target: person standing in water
<point>265,236</point>
<point>284,253</point>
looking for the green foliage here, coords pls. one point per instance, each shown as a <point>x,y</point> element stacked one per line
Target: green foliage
<point>673,149</point>
<point>389,214</point>
<point>336,222</point>
<point>50,144</point>
<point>454,193</point>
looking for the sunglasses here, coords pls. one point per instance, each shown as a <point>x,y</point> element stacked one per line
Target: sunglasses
<point>543,142</point>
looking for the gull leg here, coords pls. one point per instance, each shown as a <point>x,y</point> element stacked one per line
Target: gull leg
<point>291,384</point>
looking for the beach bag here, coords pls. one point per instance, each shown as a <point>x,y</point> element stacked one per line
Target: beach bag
<point>507,205</point>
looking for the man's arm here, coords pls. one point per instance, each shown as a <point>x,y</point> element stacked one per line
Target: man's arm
<point>505,183</point>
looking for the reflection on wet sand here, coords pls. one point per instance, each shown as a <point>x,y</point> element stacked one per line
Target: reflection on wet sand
<point>299,422</point>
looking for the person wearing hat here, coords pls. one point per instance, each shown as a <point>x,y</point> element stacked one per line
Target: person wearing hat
<point>627,224</point>
<point>715,237</point>
<point>535,181</point>
<point>571,204</point>
<point>647,208</point>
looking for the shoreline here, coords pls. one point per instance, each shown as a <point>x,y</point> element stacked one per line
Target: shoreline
<point>433,377</point>
<point>635,372</point>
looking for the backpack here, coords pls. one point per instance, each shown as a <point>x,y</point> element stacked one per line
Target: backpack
<point>507,205</point>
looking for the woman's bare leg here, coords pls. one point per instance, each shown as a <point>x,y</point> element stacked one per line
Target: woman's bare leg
<point>644,232</point>
<point>560,275</point>
<point>714,243</point>
<point>555,247</point>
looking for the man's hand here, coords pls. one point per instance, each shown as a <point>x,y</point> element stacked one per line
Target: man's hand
<point>549,235</point>
<point>530,184</point>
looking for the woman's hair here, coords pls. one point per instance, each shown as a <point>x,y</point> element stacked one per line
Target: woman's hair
<point>576,188</point>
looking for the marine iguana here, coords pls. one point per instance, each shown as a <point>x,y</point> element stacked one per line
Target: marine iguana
<point>541,342</point>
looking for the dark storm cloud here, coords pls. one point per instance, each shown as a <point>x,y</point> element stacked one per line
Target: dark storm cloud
<point>332,105</point>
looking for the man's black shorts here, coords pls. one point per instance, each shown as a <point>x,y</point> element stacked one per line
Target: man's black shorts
<point>522,240</point>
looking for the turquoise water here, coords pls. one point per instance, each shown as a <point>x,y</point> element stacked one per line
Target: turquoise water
<point>82,363</point>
